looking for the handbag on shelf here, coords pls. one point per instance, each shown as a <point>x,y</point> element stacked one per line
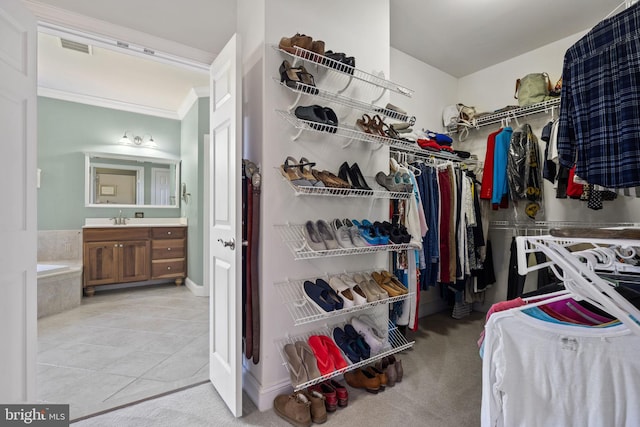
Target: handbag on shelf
<point>532,88</point>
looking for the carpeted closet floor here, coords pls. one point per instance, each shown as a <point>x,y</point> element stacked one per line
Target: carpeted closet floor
<point>441,388</point>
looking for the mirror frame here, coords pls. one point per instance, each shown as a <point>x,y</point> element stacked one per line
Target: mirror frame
<point>89,190</point>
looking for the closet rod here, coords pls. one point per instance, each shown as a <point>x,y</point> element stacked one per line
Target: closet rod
<point>547,225</point>
<point>438,157</point>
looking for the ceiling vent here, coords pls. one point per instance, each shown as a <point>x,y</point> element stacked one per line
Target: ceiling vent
<point>78,47</point>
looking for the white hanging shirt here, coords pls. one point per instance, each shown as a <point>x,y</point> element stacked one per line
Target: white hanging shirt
<point>537,373</point>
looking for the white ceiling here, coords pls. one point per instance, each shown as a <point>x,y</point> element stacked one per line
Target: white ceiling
<point>458,37</point>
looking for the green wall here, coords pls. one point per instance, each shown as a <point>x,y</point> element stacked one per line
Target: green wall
<point>194,126</point>
<point>66,130</point>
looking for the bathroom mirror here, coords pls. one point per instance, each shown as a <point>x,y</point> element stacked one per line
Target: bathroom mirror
<point>124,181</point>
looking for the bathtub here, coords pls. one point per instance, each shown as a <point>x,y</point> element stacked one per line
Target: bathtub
<point>59,287</point>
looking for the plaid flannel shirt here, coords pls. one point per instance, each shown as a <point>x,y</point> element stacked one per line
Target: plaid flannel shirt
<point>599,128</point>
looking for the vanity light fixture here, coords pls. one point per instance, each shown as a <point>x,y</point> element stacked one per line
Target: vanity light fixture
<point>139,141</point>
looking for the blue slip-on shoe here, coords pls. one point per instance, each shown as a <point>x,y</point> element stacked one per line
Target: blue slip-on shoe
<point>333,296</point>
<point>361,345</point>
<point>346,344</point>
<point>318,296</point>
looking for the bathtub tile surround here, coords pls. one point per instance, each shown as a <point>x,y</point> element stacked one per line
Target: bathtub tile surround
<point>59,245</point>
<point>59,289</point>
<point>123,345</point>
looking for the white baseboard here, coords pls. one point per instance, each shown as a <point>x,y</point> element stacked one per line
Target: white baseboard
<point>197,290</point>
<point>260,396</point>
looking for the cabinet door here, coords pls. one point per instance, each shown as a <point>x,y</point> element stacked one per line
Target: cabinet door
<point>135,260</point>
<point>100,263</point>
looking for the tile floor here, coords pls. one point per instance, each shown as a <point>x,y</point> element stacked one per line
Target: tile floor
<point>123,345</point>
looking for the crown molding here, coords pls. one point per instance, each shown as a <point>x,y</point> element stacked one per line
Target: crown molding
<point>191,98</point>
<point>106,103</point>
<point>58,21</point>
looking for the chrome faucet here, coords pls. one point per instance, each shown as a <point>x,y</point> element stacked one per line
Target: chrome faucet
<point>119,220</point>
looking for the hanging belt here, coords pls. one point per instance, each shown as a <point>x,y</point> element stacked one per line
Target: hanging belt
<point>248,214</point>
<point>252,284</point>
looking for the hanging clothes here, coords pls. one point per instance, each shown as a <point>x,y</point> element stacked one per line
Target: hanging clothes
<point>487,176</point>
<point>600,104</point>
<point>500,188</point>
<point>524,175</point>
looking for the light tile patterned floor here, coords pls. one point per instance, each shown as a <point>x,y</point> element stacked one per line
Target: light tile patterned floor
<point>123,345</point>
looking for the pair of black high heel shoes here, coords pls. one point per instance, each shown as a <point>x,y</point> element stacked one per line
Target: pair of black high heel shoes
<point>353,175</point>
<point>293,77</point>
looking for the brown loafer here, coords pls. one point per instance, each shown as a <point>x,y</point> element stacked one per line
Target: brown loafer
<point>363,379</point>
<point>380,374</point>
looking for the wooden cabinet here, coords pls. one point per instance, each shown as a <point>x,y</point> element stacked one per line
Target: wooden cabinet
<point>133,254</point>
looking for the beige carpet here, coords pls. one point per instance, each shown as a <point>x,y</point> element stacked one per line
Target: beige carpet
<point>441,388</point>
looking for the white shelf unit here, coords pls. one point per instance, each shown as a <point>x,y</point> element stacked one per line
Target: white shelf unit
<point>491,118</point>
<point>336,98</point>
<point>396,342</point>
<point>293,236</point>
<point>351,72</point>
<point>376,192</point>
<point>302,311</point>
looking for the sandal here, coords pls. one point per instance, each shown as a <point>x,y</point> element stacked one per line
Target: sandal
<point>365,123</point>
<point>289,75</point>
<point>329,179</point>
<point>307,79</point>
<point>291,172</point>
<point>306,172</point>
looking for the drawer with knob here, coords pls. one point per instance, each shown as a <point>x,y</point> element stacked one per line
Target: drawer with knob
<point>168,232</point>
<point>165,249</point>
<point>167,268</point>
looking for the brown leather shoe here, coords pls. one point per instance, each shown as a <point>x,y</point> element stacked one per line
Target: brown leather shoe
<point>295,408</point>
<point>389,369</point>
<point>380,374</point>
<point>363,379</point>
<point>318,409</point>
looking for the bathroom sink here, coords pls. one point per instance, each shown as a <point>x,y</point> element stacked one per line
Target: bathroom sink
<point>135,222</point>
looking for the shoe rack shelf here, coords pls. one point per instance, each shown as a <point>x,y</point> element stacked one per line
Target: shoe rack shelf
<point>339,67</point>
<point>336,98</point>
<point>396,342</point>
<point>293,236</point>
<point>376,192</point>
<point>303,312</point>
<point>353,134</point>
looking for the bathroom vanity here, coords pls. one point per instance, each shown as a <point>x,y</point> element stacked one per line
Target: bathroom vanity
<point>141,251</point>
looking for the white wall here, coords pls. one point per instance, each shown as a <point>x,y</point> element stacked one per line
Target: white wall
<point>492,88</point>
<point>336,22</point>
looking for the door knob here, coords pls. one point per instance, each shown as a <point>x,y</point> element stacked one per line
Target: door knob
<point>231,244</point>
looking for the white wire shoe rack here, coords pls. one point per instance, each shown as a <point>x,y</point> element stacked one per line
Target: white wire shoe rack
<point>293,236</point>
<point>303,312</point>
<point>396,342</point>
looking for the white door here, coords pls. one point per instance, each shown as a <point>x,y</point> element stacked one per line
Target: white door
<point>224,223</point>
<point>18,219</point>
<point>160,186</point>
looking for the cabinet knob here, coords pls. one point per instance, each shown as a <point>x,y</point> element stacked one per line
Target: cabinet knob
<point>121,245</point>
<point>168,249</point>
<point>115,246</point>
<point>168,233</point>
<point>169,268</point>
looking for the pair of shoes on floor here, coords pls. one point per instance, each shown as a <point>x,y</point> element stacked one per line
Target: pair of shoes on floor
<point>392,367</point>
<point>294,45</point>
<point>301,362</point>
<point>352,344</point>
<point>319,236</point>
<point>297,78</point>
<point>301,408</point>
<point>353,175</point>
<point>339,61</point>
<point>335,394</point>
<point>328,356</point>
<point>350,292</point>
<point>374,336</point>
<point>300,173</point>
<point>395,182</point>
<point>322,296</point>
<point>319,118</point>
<point>389,283</point>
<point>364,379</point>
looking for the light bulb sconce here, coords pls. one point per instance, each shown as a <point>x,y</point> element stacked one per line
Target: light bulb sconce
<point>185,195</point>
<point>145,140</point>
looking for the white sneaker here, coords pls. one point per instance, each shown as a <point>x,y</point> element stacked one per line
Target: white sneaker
<point>342,233</point>
<point>359,296</point>
<point>356,237</point>
<point>343,291</point>
<point>371,334</point>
